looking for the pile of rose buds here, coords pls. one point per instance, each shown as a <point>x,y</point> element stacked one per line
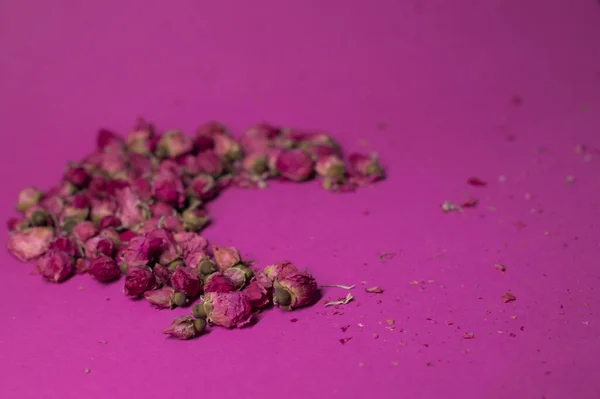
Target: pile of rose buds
<point>135,207</point>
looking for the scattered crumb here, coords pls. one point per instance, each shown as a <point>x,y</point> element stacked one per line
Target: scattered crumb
<point>470,202</point>
<point>569,180</point>
<point>103,342</point>
<point>507,297</point>
<point>390,322</point>
<point>512,335</point>
<point>344,328</point>
<point>360,325</point>
<point>528,196</point>
<point>294,320</point>
<point>513,317</point>
<point>587,323</point>
<point>384,257</point>
<point>87,371</point>
<point>468,335</point>
<point>394,363</point>
<point>448,206</point>
<point>502,178</point>
<point>500,266</point>
<point>519,224</point>
<point>344,301</point>
<point>476,181</point>
<point>375,336</point>
<point>344,340</point>
<point>429,364</point>
<point>361,364</point>
<point>374,290</point>
<point>80,288</point>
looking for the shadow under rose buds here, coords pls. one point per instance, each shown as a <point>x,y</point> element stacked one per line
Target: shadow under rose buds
<point>185,327</point>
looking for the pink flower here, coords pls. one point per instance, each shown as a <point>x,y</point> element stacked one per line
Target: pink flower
<point>81,265</point>
<point>31,243</point>
<point>104,269</point>
<point>16,225</point>
<point>195,218</point>
<point>66,245</point>
<point>28,197</point>
<point>190,241</point>
<point>172,223</point>
<point>259,291</point>
<point>163,273</point>
<point>126,236</point>
<point>185,328</point>
<point>366,166</point>
<point>165,298</point>
<point>113,162</point>
<point>139,279</point>
<point>209,163</point>
<point>131,211</point>
<point>202,187</point>
<point>226,257</point>
<point>296,165</point>
<point>227,309</point>
<point>83,231</point>
<point>226,147</point>
<point>279,270</point>
<point>218,282</point>
<point>55,266</point>
<point>167,186</point>
<point>77,175</point>
<point>53,204</point>
<point>173,144</point>
<point>294,290</point>
<point>106,138</point>
<point>185,279</point>
<point>331,166</point>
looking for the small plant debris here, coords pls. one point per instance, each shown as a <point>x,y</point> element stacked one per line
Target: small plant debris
<point>374,290</point>
<point>508,297</point>
<point>343,301</point>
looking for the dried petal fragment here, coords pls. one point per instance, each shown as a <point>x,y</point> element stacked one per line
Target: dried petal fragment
<point>507,297</point>
<point>30,243</point>
<point>374,290</point>
<point>344,301</point>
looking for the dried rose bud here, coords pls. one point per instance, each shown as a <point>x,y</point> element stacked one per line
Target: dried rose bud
<point>226,257</point>
<point>99,245</point>
<point>272,156</point>
<point>294,290</point>
<point>114,162</point>
<point>77,175</point>
<point>223,182</point>
<point>131,211</point>
<point>55,266</point>
<point>319,140</point>
<point>53,204</point>
<point>141,251</point>
<point>185,279</point>
<point>102,208</point>
<point>202,187</point>
<point>227,148</point>
<point>194,258</point>
<point>38,216</point>
<point>185,327</point>
<point>258,138</point>
<point>159,209</point>
<point>195,218</point>
<point>81,266</point>
<point>366,166</point>
<point>165,298</point>
<point>83,231</point>
<point>296,165</point>
<point>210,129</point>
<point>173,144</point>
<point>169,250</point>
<point>188,164</point>
<point>16,225</point>
<point>97,186</point>
<point>163,273</point>
<point>167,186</point>
<point>227,309</point>
<point>190,241</point>
<point>104,269</point>
<point>209,163</point>
<point>141,165</point>
<point>140,138</point>
<point>66,245</point>
<point>172,223</point>
<point>218,282</point>
<point>31,243</point>
<point>126,236</point>
<point>109,222</point>
<point>255,163</point>
<point>142,188</point>
<point>259,291</point>
<point>28,197</point>
<point>279,270</point>
<point>139,279</point>
<point>331,166</point>
<point>239,275</point>
<point>63,189</point>
<point>106,138</point>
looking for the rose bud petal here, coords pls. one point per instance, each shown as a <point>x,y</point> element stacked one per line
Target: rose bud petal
<point>165,298</point>
<point>16,225</point>
<point>77,175</point>
<point>194,259</point>
<point>28,197</point>
<point>140,138</point>
<point>140,165</point>
<point>139,279</point>
<point>55,266</point>
<point>185,279</point>
<point>202,187</point>
<point>83,231</point>
<point>366,166</point>
<point>218,282</point>
<point>110,222</point>
<point>173,144</point>
<point>104,269</point>
<point>188,164</point>
<point>256,163</point>
<point>185,328</point>
<point>168,188</point>
<point>31,243</point>
<point>66,245</point>
<point>164,273</point>
<point>319,140</point>
<point>53,204</point>
<point>226,309</point>
<point>159,209</point>
<point>142,250</point>
<point>106,138</point>
<point>195,218</point>
<point>331,166</point>
<point>82,265</point>
<point>172,223</point>
<point>38,216</point>
<point>296,165</point>
<point>259,291</point>
<point>209,163</point>
<point>294,290</point>
<point>226,257</point>
<point>279,270</point>
<point>211,128</point>
<point>99,245</point>
<point>131,211</point>
<point>102,208</point>
<point>190,241</point>
<point>169,250</point>
<point>238,275</point>
<point>272,156</point>
<point>258,138</point>
<point>227,148</point>
<point>63,189</point>
<point>114,162</point>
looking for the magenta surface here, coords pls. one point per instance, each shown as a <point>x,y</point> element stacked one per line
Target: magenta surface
<point>442,90</point>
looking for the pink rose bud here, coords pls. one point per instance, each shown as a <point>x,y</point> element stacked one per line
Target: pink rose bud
<point>83,231</point>
<point>159,209</point>
<point>167,187</point>
<point>226,257</point>
<point>114,162</point>
<point>319,140</point>
<point>139,279</point>
<point>109,222</point>
<point>227,148</point>
<point>259,291</point>
<point>169,250</point>
<point>55,266</point>
<point>142,250</point>
<point>173,144</point>
<point>53,204</point>
<point>279,270</point>
<point>130,210</point>
<point>185,279</point>
<point>172,223</point>
<point>16,225</point>
<point>272,156</point>
<point>106,138</point>
<point>63,189</point>
<point>66,245</point>
<point>38,216</point>
<point>202,187</point>
<point>77,175</point>
<point>189,166</point>
<point>239,275</point>
<point>218,282</point>
<point>195,258</point>
<point>195,218</point>
<point>102,208</point>
<point>190,241</point>
<point>224,181</point>
<point>99,245</point>
<point>165,298</point>
<point>209,163</point>
<point>140,165</point>
<point>205,133</point>
<point>258,138</point>
<point>296,165</point>
<point>97,186</point>
<point>226,309</point>
<point>255,163</point>
<point>163,273</point>
<point>185,328</point>
<point>81,266</point>
<point>140,138</point>
<point>28,197</point>
<point>366,166</point>
<point>104,269</point>
<point>31,243</point>
<point>294,290</point>
<point>142,188</point>
<point>331,166</point>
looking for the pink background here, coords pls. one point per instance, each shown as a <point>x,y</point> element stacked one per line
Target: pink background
<point>442,75</point>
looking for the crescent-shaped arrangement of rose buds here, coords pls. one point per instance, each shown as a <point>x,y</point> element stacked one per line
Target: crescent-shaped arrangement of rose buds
<point>134,207</point>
